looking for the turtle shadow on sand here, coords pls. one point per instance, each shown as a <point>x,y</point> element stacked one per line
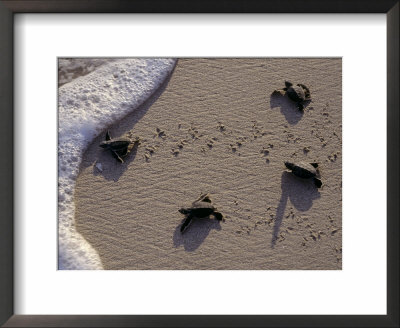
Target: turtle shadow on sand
<point>288,108</point>
<point>111,168</point>
<point>301,194</point>
<point>195,234</point>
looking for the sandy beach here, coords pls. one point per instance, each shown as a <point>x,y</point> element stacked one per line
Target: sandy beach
<point>213,127</point>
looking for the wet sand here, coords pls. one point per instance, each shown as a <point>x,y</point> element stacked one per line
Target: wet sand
<point>213,127</point>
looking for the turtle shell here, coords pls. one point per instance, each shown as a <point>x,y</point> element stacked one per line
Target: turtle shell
<point>304,170</point>
<point>296,93</point>
<point>202,209</point>
<point>115,144</point>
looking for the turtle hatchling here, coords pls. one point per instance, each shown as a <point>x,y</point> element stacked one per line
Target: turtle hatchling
<point>201,208</point>
<point>305,171</point>
<point>119,147</point>
<point>298,93</point>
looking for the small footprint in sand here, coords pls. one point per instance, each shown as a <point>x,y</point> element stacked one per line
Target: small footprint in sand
<point>237,144</point>
<point>334,231</point>
<point>160,133</point>
<point>210,143</point>
<point>221,127</point>
<point>175,152</point>
<point>337,136</point>
<point>244,229</point>
<point>316,235</point>
<point>338,253</point>
<point>194,132</point>
<point>331,227</point>
<point>234,148</point>
<point>280,237</point>
<point>265,152</point>
<point>333,157</point>
<point>320,137</point>
<point>179,146</point>
<point>257,131</point>
<point>149,151</point>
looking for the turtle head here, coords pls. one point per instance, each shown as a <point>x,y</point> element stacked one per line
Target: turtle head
<point>183,210</point>
<point>289,165</point>
<point>288,84</point>
<point>218,216</point>
<point>317,182</point>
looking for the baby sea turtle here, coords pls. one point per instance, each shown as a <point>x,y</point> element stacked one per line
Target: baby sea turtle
<point>298,93</point>
<point>201,208</point>
<point>119,147</point>
<point>305,171</point>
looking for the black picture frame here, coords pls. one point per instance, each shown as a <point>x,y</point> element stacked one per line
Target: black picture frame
<point>11,7</point>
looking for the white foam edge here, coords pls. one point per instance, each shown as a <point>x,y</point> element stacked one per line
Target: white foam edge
<point>87,105</point>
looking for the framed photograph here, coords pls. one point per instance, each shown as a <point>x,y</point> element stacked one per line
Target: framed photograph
<point>199,165</point>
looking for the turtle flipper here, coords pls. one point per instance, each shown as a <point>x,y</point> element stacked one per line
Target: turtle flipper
<point>108,136</point>
<point>186,223</point>
<point>315,165</point>
<point>288,84</point>
<point>122,152</point>
<point>300,106</point>
<point>306,91</point>
<point>204,198</point>
<point>317,182</point>
<point>116,156</point>
<point>280,92</point>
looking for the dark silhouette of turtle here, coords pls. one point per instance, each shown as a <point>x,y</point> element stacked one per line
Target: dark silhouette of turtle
<point>119,147</point>
<point>305,171</point>
<point>201,208</point>
<point>298,93</point>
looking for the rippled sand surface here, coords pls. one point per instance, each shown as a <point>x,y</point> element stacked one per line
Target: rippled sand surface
<point>213,127</point>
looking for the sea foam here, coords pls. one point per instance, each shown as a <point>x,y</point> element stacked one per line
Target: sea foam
<point>87,105</point>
